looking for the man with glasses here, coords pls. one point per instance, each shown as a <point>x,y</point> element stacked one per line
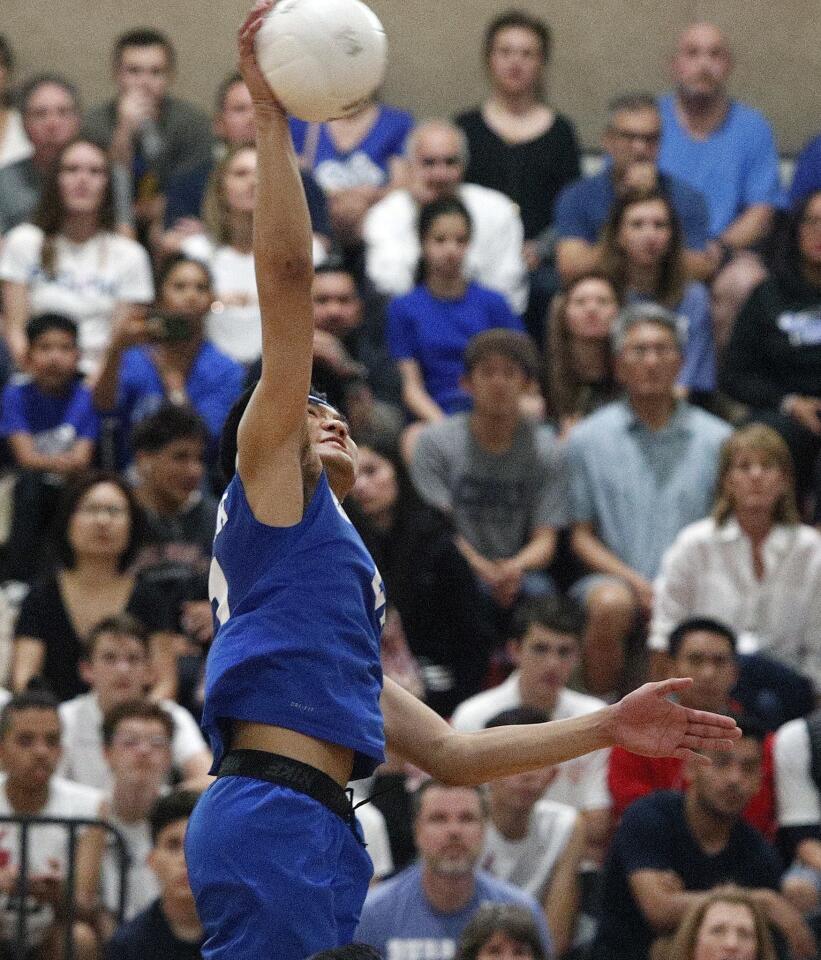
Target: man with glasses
<point>631,143</point>
<point>437,157</point>
<point>51,118</point>
<point>639,470</point>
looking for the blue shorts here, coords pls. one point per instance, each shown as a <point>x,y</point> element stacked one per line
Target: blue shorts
<point>275,874</point>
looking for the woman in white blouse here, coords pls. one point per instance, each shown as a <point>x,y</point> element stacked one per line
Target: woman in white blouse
<point>752,564</point>
<point>69,260</point>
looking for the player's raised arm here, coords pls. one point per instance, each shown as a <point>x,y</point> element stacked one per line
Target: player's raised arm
<point>284,272</point>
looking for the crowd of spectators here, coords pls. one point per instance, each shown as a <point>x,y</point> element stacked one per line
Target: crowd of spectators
<point>588,411</point>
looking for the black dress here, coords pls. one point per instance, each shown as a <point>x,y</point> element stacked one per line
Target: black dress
<point>530,173</point>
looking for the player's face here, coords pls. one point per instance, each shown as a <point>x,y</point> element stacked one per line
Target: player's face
<point>336,303</point>
<point>727,932</point>
<point>502,947</point>
<point>167,860</point>
<point>726,786</point>
<point>140,752</point>
<point>445,245</point>
<point>709,659</point>
<point>53,359</point>
<point>30,750</point>
<point>590,309</point>
<point>144,69</point>
<point>235,122</point>
<point>702,62</point>
<point>450,830</point>
<point>330,439</point>
<point>645,233</point>
<point>83,179</point>
<point>545,659</point>
<point>118,670</point>
<point>516,61</point>
<point>239,183</point>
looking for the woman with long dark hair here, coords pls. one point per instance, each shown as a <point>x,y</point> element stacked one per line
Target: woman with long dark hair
<point>429,328</point>
<point>69,259</point>
<point>773,360</point>
<point>642,249</point>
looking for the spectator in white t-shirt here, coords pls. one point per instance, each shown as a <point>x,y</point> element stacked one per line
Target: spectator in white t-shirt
<point>29,752</point>
<point>69,260</point>
<point>137,738</point>
<point>545,648</point>
<point>533,843</point>
<point>118,669</point>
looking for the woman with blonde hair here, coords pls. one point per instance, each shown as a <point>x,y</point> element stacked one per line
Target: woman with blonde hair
<point>725,924</point>
<point>580,372</point>
<point>752,564</point>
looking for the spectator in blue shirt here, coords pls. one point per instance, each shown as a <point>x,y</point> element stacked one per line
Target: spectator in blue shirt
<point>429,328</point>
<point>642,251</point>
<point>806,178</point>
<point>166,357</point>
<point>631,143</point>
<point>721,147</point>
<point>51,428</point>
<point>420,913</point>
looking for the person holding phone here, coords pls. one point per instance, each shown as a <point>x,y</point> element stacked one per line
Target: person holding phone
<point>166,357</point>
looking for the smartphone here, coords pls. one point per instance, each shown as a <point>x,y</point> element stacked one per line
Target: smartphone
<point>168,327</point>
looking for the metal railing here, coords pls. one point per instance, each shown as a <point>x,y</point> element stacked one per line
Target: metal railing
<point>72,826</point>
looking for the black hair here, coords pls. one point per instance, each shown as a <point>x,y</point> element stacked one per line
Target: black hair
<point>786,250</point>
<point>28,700</point>
<point>6,61</point>
<point>170,263</point>
<point>750,726</point>
<point>169,808</point>
<point>698,625</point>
<point>429,213</point>
<point>518,716</point>
<point>70,500</point>
<point>524,21</point>
<point>44,322</point>
<point>144,37</point>
<point>33,84</point>
<point>170,422</point>
<point>514,345</point>
<point>353,951</point>
<point>135,710</point>
<point>559,614</point>
<point>335,264</point>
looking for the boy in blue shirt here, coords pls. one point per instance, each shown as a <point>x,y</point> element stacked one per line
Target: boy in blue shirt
<point>51,429</point>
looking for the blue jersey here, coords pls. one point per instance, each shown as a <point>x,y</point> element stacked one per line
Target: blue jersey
<point>299,611</point>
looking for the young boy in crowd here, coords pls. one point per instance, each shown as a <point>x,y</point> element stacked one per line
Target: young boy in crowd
<point>51,428</point>
<point>169,929</point>
<point>118,669</point>
<point>137,738</point>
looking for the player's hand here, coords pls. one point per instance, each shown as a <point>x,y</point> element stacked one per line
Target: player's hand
<point>258,87</point>
<point>647,723</point>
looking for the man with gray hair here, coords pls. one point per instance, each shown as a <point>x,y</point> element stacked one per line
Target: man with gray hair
<point>639,470</point>
<point>437,157</point>
<point>631,143</point>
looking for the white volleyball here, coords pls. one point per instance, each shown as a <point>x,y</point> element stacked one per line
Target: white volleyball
<point>323,58</point>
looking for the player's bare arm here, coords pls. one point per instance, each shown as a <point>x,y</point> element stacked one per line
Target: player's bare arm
<point>645,722</point>
<point>270,436</point>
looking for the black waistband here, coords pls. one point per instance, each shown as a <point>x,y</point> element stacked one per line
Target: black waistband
<point>286,772</point>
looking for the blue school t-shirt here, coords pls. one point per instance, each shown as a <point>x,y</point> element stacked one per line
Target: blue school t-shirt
<point>298,615</point>
<point>735,167</point>
<point>55,421</point>
<point>435,332</point>
<point>367,164</point>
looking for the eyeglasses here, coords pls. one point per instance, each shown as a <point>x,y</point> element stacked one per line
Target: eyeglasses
<point>107,510</point>
<point>130,741</point>
<point>651,139</point>
<point>641,350</point>
<point>452,161</point>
